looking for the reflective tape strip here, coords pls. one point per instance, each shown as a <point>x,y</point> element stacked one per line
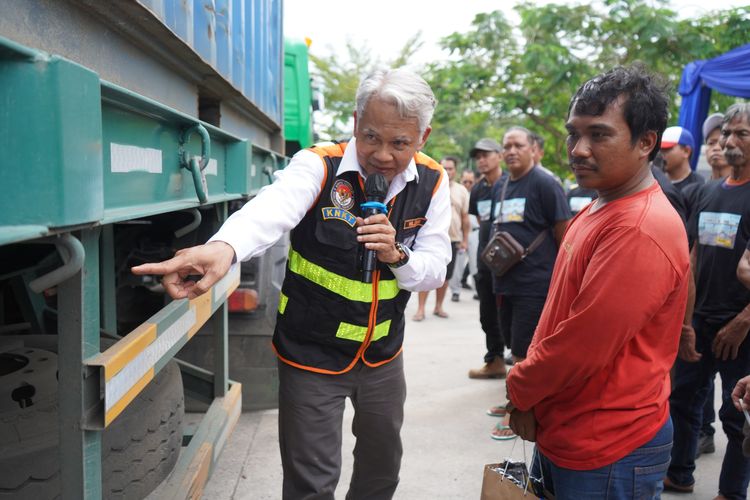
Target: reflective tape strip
<point>357,333</point>
<point>125,351</point>
<point>283,299</point>
<point>129,396</point>
<point>226,285</point>
<point>125,158</point>
<point>133,361</point>
<point>348,288</point>
<point>121,384</point>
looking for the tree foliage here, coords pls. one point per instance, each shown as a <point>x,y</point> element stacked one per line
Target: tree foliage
<point>339,78</point>
<point>500,73</point>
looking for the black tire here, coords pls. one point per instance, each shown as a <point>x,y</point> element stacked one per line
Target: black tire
<point>139,449</point>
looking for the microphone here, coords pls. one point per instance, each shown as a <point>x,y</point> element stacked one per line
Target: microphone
<point>376,188</point>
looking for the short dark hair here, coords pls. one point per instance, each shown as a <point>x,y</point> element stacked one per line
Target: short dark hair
<point>645,109</point>
<point>538,140</point>
<point>518,128</point>
<point>451,158</point>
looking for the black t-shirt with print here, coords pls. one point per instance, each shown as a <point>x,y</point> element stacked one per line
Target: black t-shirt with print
<point>480,204</point>
<point>720,226</point>
<point>533,204</point>
<point>579,198</point>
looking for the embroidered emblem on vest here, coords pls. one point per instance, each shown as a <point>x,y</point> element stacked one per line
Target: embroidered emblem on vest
<point>342,194</point>
<point>340,214</point>
<point>412,223</point>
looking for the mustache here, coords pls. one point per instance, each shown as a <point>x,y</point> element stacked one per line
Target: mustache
<point>578,162</point>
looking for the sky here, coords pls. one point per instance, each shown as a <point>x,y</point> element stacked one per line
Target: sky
<point>385,25</point>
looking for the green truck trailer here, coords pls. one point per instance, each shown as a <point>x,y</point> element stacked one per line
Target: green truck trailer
<point>130,129</point>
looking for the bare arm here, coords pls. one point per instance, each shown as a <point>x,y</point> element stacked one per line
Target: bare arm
<point>743,269</point>
<point>686,350</point>
<point>559,231</point>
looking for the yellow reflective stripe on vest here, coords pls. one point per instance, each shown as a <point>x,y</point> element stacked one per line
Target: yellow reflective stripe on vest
<point>358,333</point>
<point>282,302</point>
<point>347,288</point>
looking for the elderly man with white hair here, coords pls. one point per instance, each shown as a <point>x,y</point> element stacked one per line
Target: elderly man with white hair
<point>339,334</point>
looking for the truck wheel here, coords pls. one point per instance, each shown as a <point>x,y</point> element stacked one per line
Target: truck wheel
<point>139,449</point>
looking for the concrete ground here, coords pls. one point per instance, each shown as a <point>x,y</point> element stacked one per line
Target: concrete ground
<point>445,434</point>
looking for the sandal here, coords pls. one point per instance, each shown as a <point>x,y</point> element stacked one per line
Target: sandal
<point>440,314</point>
<point>500,428</point>
<point>418,317</point>
<point>497,411</point>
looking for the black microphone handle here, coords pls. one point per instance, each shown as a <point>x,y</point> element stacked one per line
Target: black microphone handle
<point>370,257</point>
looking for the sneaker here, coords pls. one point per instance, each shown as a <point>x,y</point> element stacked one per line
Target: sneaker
<point>705,445</point>
<point>509,360</point>
<point>493,369</point>
<point>454,297</point>
<point>465,285</point>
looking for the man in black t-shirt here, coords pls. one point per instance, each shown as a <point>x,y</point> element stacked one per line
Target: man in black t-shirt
<point>533,203</point>
<point>720,227</point>
<point>677,145</point>
<point>486,154</point>
<point>527,203</point>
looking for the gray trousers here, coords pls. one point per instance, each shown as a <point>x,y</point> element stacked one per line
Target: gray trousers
<point>311,409</point>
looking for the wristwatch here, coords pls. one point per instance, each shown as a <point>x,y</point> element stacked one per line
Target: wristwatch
<point>404,252</point>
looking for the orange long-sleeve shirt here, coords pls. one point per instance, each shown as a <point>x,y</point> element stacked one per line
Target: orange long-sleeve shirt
<point>597,371</point>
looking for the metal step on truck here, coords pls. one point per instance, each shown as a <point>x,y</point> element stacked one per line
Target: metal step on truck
<point>130,129</point>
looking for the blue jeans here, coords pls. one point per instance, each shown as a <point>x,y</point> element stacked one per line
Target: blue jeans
<point>636,476</point>
<point>691,385</point>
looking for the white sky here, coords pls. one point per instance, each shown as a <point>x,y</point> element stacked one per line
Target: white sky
<point>386,25</point>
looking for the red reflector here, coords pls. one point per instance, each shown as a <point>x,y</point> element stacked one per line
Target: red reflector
<point>243,300</point>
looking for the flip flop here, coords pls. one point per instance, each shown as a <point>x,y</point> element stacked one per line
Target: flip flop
<point>440,314</point>
<point>417,317</point>
<point>501,427</point>
<point>497,411</point>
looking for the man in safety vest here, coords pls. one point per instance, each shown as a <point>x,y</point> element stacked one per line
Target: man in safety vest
<point>337,335</point>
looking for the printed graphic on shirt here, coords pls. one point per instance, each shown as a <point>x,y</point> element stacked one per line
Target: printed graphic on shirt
<point>342,194</point>
<point>339,214</point>
<point>412,223</point>
<point>513,210</point>
<point>483,209</point>
<point>718,229</point>
<point>578,203</point>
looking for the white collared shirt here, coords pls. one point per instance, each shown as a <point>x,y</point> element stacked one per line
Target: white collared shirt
<point>278,208</point>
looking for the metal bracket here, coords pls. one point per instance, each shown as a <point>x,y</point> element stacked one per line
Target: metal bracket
<point>191,164</point>
<point>72,252</point>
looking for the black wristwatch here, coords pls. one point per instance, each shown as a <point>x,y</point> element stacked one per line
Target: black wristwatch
<point>403,250</point>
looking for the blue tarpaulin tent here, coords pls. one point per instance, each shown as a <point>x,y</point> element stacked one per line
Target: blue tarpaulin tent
<point>728,73</point>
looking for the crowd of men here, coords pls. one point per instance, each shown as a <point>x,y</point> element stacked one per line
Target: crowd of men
<point>627,278</point>
<point>716,215</point>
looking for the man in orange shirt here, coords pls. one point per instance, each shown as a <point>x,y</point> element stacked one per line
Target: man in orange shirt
<point>593,391</point>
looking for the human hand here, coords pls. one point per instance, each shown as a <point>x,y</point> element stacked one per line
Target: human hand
<point>523,423</point>
<point>686,350</point>
<point>463,246</point>
<point>212,261</point>
<point>728,340</point>
<point>741,391</point>
<point>377,233</point>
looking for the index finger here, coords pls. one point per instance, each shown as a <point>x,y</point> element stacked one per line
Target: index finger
<point>172,265</point>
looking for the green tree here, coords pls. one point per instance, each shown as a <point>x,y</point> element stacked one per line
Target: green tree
<point>496,74</point>
<point>340,77</point>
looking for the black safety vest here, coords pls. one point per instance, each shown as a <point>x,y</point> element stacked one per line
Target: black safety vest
<point>328,317</point>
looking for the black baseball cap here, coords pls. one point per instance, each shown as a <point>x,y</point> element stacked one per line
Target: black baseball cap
<point>485,144</point>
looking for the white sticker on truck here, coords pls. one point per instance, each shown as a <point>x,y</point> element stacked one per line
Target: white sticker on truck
<point>125,158</point>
